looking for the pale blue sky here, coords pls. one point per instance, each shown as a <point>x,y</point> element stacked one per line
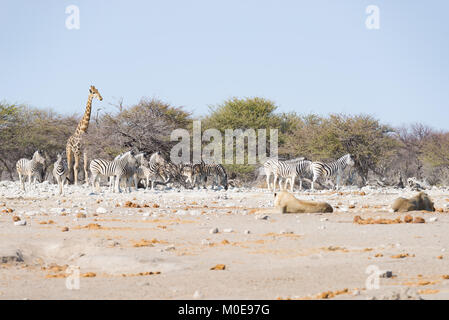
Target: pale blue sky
<point>307,56</point>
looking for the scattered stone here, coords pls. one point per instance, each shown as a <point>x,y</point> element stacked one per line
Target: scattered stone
<point>214,230</point>
<point>205,242</point>
<point>219,267</point>
<point>386,274</point>
<point>246,232</point>
<point>229,230</point>
<point>433,219</point>
<point>20,223</point>
<point>261,217</point>
<point>101,210</point>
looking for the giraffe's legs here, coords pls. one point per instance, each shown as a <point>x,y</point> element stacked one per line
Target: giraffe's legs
<point>86,174</point>
<point>69,163</point>
<point>75,167</point>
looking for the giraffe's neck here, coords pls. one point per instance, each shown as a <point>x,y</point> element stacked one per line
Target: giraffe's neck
<point>84,123</point>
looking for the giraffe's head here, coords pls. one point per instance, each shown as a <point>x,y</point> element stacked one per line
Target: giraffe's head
<point>96,94</point>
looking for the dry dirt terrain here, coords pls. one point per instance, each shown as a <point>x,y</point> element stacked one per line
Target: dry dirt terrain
<point>206,244</point>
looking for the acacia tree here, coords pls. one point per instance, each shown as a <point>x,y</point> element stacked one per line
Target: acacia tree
<point>145,126</point>
<point>23,130</point>
<point>436,149</point>
<point>243,113</point>
<point>328,138</point>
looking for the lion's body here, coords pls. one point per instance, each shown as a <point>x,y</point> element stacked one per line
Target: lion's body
<point>285,202</point>
<point>419,202</point>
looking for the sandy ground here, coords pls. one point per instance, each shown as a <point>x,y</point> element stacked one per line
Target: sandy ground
<point>163,247</point>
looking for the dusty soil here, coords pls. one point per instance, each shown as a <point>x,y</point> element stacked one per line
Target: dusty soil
<point>160,245</point>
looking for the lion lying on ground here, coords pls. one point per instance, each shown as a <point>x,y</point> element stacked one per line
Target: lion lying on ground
<point>285,202</point>
<point>419,202</point>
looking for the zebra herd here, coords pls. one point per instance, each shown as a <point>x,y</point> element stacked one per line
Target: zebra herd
<point>130,168</point>
<point>299,167</point>
<point>133,168</point>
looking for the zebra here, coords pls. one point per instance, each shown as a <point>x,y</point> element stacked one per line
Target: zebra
<point>150,170</point>
<point>287,169</point>
<point>186,170</point>
<point>193,173</point>
<point>125,166</point>
<point>60,172</point>
<point>321,169</point>
<point>100,167</point>
<point>203,170</point>
<point>31,168</point>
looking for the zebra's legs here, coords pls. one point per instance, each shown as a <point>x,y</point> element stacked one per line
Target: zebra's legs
<point>338,181</point>
<point>313,181</point>
<point>268,180</point>
<point>111,183</point>
<point>22,181</point>
<point>300,184</point>
<point>292,183</point>
<point>94,178</point>
<point>117,184</point>
<point>274,182</point>
<point>59,185</point>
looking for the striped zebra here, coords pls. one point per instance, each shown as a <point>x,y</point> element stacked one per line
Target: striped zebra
<point>125,167</point>
<point>100,167</point>
<point>60,172</point>
<point>327,170</point>
<point>202,171</point>
<point>186,170</point>
<point>30,168</point>
<point>150,170</point>
<point>288,170</point>
<point>106,168</point>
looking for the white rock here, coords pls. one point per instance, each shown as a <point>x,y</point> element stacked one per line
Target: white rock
<point>101,210</point>
<point>324,219</point>
<point>214,230</point>
<point>433,219</point>
<point>20,223</point>
<point>246,232</point>
<point>57,210</point>
<point>261,217</point>
<point>229,230</point>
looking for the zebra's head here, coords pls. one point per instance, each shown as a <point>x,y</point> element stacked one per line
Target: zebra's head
<point>157,157</point>
<point>130,158</point>
<point>37,156</point>
<point>350,160</point>
<point>58,157</point>
<point>141,159</point>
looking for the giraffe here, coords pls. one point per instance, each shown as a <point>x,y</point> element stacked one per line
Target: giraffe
<point>76,141</point>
